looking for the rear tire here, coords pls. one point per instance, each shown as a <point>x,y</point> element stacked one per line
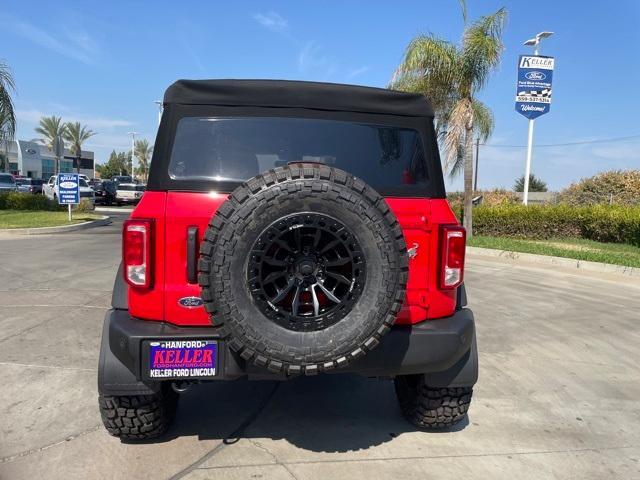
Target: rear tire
<point>138,417</point>
<point>431,408</point>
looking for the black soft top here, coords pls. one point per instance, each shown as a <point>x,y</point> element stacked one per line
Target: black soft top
<point>297,94</point>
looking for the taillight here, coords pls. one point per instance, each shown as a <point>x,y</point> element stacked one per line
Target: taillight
<point>137,244</point>
<point>452,248</point>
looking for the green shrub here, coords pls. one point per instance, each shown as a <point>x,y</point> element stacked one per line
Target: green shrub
<point>85,206</point>
<point>26,201</point>
<point>604,223</point>
<point>620,187</point>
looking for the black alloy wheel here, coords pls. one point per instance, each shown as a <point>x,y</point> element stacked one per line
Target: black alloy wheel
<point>306,271</point>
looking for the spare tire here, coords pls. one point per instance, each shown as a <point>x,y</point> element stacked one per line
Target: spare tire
<point>304,268</point>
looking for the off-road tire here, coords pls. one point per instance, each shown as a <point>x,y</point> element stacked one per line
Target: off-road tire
<point>138,417</point>
<point>431,408</point>
<point>244,216</point>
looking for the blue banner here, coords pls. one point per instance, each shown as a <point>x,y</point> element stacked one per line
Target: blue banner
<point>533,92</point>
<point>68,189</point>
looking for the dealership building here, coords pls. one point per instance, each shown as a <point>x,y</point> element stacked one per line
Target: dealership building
<point>33,159</point>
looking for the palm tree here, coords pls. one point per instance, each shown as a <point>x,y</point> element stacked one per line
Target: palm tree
<point>7,113</point>
<point>143,154</point>
<point>52,130</point>
<point>451,76</point>
<point>76,135</point>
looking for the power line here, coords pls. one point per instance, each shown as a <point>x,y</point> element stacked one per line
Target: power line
<point>586,142</point>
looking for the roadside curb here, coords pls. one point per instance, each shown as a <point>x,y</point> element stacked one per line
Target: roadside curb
<point>105,220</point>
<point>114,210</point>
<point>558,261</point>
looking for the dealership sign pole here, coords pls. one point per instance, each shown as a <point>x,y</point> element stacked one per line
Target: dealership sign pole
<point>533,95</point>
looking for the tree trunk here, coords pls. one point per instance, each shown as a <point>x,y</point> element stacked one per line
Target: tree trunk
<point>468,182</point>
<point>78,165</point>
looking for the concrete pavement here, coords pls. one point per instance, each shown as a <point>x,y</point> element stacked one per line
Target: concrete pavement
<point>558,395</point>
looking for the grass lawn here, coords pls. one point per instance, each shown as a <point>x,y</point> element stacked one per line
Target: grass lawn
<point>33,219</point>
<point>615,253</point>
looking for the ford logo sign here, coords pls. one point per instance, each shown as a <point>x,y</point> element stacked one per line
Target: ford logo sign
<point>68,185</point>
<point>191,302</point>
<point>535,75</point>
<point>31,151</point>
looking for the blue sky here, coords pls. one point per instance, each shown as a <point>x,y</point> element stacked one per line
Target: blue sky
<point>104,63</point>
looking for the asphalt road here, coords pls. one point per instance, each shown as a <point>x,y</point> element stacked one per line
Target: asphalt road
<point>558,395</point>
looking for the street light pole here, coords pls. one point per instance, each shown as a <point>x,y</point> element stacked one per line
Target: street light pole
<point>133,151</point>
<point>160,108</point>
<point>527,169</point>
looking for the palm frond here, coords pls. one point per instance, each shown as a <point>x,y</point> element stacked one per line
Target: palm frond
<point>483,122</point>
<point>482,48</point>
<point>458,122</point>
<point>7,111</point>
<point>76,134</point>
<point>143,151</point>
<point>50,128</point>
<point>463,7</point>
<point>429,57</point>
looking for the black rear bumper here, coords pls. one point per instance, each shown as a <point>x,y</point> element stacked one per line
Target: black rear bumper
<point>445,349</point>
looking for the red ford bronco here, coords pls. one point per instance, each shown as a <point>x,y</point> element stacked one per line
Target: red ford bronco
<point>289,228</point>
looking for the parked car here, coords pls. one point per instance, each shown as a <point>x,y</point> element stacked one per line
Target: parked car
<point>94,181</point>
<point>50,189</point>
<point>122,179</point>
<point>129,193</point>
<point>105,192</point>
<point>29,185</point>
<point>7,183</point>
<point>268,247</point>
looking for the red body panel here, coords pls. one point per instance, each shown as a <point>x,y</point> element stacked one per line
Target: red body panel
<point>185,210</point>
<point>175,212</point>
<point>149,303</point>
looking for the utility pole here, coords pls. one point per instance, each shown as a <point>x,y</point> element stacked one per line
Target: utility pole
<point>475,174</point>
<point>133,151</point>
<point>527,169</point>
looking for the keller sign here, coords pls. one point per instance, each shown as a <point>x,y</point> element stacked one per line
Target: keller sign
<point>533,92</point>
<point>68,189</point>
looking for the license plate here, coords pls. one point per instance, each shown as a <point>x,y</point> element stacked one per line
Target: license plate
<point>170,359</point>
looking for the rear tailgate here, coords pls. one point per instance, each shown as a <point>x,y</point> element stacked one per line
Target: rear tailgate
<point>191,212</point>
<point>185,211</point>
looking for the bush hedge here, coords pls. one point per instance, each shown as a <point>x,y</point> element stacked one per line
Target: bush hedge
<point>620,187</point>
<point>26,201</point>
<point>603,223</point>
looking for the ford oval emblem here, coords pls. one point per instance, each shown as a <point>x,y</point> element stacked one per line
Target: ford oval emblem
<point>191,302</point>
<point>535,75</point>
<point>31,151</point>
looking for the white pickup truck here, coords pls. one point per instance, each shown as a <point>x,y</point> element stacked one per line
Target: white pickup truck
<point>50,189</point>
<point>129,193</point>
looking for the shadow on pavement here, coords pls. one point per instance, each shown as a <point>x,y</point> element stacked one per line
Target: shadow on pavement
<point>329,413</point>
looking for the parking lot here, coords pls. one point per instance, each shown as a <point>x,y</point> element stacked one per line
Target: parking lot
<point>558,395</point>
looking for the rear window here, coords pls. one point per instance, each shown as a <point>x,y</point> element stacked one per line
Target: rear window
<point>7,179</point>
<point>236,149</point>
